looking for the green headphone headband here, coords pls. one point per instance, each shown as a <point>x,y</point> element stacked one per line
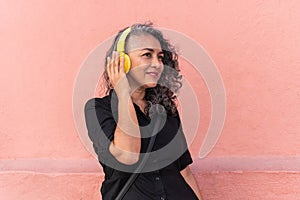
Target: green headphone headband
<point>121,41</point>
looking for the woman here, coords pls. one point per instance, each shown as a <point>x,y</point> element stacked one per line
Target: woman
<point>120,124</point>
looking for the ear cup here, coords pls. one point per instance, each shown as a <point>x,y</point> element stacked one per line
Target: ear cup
<point>121,49</point>
<point>126,62</point>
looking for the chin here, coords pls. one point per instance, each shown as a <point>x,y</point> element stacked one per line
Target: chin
<point>150,85</point>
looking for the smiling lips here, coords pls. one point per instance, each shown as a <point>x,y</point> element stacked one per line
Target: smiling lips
<point>153,74</point>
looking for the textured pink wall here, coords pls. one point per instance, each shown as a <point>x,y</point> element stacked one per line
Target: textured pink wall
<point>255,44</point>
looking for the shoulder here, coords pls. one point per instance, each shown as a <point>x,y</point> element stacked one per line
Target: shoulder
<point>104,107</point>
<point>177,117</point>
<point>94,102</point>
<point>97,102</point>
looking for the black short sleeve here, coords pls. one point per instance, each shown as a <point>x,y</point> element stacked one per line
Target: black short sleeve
<point>100,124</point>
<point>185,159</point>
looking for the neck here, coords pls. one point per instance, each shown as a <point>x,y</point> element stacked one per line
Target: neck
<point>138,95</point>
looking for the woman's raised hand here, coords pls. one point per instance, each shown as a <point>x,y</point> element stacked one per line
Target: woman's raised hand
<point>116,74</point>
<point>126,143</point>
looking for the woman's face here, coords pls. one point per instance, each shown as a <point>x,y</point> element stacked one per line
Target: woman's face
<point>146,58</point>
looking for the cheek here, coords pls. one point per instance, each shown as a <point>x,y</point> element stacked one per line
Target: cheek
<point>138,64</point>
<point>135,61</point>
<point>137,69</point>
<point>136,73</point>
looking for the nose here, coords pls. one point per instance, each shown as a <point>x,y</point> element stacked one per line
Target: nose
<point>156,62</point>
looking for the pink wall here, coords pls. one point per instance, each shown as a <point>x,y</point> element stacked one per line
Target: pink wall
<point>255,45</point>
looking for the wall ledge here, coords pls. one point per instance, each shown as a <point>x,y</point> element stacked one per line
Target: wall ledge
<point>250,164</point>
<point>208,164</point>
<point>47,165</point>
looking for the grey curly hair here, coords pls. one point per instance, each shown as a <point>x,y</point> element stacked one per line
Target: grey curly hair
<point>164,93</point>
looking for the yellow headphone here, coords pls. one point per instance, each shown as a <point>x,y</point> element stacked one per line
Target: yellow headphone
<point>121,49</point>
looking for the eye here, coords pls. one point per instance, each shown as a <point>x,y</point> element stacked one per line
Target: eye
<point>161,57</point>
<point>148,55</point>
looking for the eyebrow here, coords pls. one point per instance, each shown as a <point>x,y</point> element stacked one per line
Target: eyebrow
<point>149,49</point>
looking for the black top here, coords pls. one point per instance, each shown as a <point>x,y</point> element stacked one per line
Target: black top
<point>160,178</point>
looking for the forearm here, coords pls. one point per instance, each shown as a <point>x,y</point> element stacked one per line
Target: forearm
<point>193,184</point>
<point>190,179</point>
<point>126,144</point>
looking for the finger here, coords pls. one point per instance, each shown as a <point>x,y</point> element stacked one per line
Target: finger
<point>122,60</point>
<point>111,66</point>
<point>114,65</point>
<point>108,60</point>
<point>117,63</point>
